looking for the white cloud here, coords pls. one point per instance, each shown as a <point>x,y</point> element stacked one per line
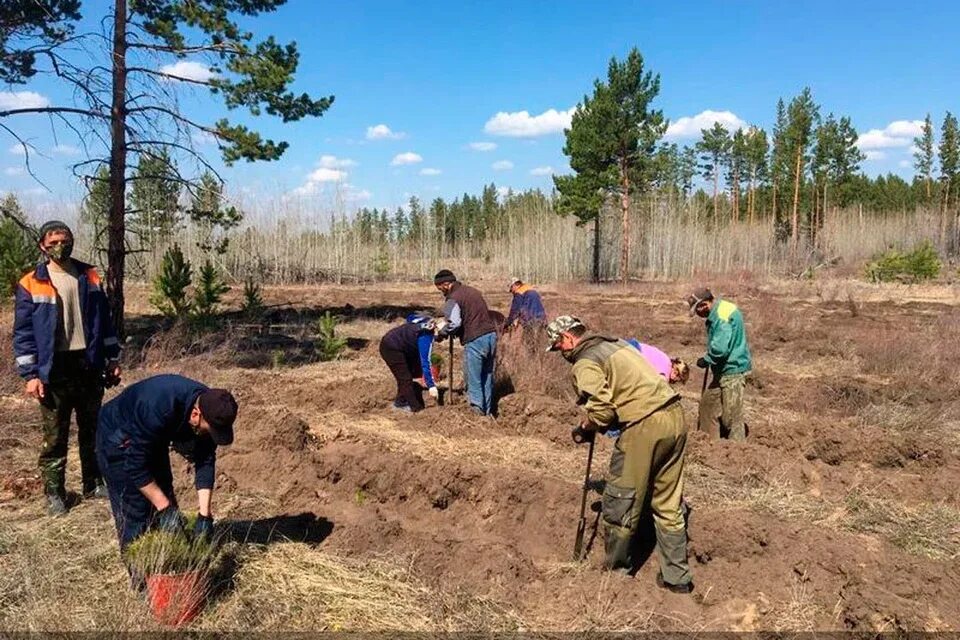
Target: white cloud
<point>408,157</point>
<point>502,165</point>
<point>66,150</point>
<point>333,162</point>
<point>899,133</point>
<point>542,171</point>
<point>872,156</point>
<point>905,164</point>
<point>330,170</point>
<point>14,171</point>
<point>520,124</point>
<point>189,70</point>
<point>353,194</point>
<point>690,126</point>
<point>482,146</point>
<point>326,174</point>
<point>22,100</point>
<point>427,171</point>
<point>503,191</point>
<point>383,132</point>
<point>17,150</point>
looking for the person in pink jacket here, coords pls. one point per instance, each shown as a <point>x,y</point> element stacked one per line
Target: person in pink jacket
<point>672,369</point>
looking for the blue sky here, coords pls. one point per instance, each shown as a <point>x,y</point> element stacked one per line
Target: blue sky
<point>418,83</point>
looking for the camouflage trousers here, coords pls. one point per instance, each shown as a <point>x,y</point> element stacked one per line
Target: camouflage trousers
<point>646,472</point>
<point>721,407</point>
<point>73,389</point>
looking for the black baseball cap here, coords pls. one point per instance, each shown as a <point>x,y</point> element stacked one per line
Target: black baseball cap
<point>219,408</point>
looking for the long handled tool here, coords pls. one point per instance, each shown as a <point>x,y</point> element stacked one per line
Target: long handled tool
<point>582,526</point>
<point>703,390</point>
<point>450,365</point>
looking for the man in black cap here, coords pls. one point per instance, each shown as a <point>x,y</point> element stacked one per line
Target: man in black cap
<point>66,351</point>
<point>136,431</point>
<point>468,316</point>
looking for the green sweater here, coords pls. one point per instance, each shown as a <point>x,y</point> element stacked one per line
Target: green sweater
<point>727,350</point>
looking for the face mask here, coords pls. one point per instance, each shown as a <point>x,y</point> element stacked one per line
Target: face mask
<point>59,252</point>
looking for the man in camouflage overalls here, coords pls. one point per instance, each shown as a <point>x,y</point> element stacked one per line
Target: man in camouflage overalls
<point>620,390</point>
<point>729,361</point>
<point>65,348</point>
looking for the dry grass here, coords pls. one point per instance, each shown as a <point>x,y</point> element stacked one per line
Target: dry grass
<point>66,575</point>
<point>515,452</point>
<point>801,612</point>
<point>931,530</point>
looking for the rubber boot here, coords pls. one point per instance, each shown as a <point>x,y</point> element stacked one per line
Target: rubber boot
<point>97,490</point>
<point>617,549</point>
<point>56,506</point>
<point>672,550</point>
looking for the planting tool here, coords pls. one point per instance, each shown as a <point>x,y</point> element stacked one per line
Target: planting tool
<point>450,338</point>
<point>582,526</point>
<point>703,390</point>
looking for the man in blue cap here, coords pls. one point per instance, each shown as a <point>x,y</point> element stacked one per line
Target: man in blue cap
<point>138,428</point>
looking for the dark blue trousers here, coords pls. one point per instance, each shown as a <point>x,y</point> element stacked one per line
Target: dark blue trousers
<point>132,512</point>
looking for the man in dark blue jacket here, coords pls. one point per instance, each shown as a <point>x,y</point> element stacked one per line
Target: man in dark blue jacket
<point>65,348</point>
<point>406,350</point>
<point>526,310</point>
<point>138,428</point>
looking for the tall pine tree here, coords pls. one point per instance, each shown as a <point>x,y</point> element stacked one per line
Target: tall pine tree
<point>611,144</point>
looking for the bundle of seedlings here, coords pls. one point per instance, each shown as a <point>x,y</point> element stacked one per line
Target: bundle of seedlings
<point>177,569</point>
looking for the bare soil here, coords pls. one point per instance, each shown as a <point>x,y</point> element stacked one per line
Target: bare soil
<point>840,512</point>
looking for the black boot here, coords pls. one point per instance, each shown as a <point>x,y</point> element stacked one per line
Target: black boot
<point>56,505</point>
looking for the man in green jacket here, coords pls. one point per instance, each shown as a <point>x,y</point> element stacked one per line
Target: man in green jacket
<point>728,357</point>
<point>620,390</point>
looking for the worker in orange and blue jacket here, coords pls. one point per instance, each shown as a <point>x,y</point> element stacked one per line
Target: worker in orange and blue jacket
<point>526,310</point>
<point>66,350</point>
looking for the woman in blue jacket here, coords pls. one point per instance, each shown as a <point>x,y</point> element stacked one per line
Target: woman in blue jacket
<point>406,351</point>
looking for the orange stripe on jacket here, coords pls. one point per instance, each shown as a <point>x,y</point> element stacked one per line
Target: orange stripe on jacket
<point>37,287</point>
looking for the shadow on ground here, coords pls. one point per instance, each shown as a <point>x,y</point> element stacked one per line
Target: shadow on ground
<point>305,527</point>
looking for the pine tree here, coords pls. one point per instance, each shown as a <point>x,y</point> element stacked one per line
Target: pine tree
<point>802,118</point>
<point>736,168</point>
<point>611,144</point>
<point>755,159</point>
<point>212,219</point>
<point>125,94</point>
<point>208,293</point>
<point>95,212</point>
<point>924,155</point>
<point>687,170</point>
<point>949,175</point>
<point>780,170</point>
<point>18,249</point>
<point>171,283</point>
<point>155,198</point>
<point>714,148</point>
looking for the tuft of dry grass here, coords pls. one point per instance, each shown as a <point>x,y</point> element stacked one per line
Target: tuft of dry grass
<point>295,587</point>
<point>801,612</point>
<point>931,530</point>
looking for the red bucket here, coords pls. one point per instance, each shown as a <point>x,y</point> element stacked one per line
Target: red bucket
<point>176,599</point>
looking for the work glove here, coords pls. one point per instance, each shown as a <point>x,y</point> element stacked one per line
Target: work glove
<point>434,393</point>
<point>581,435</point>
<point>203,528</point>
<point>170,520</point>
<point>702,363</point>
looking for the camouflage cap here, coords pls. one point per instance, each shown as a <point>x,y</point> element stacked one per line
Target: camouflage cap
<point>558,326</point>
<point>699,295</point>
